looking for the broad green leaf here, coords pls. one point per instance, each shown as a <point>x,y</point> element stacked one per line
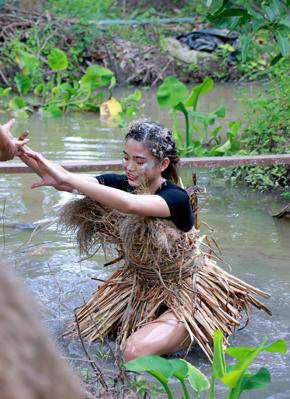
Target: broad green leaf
<point>208,3</point>
<point>5,92</point>
<point>240,353</point>
<point>277,346</point>
<point>171,92</point>
<point>27,62</point>
<point>23,83</point>
<point>197,379</point>
<point>231,379</point>
<point>51,111</point>
<point>57,60</point>
<point>17,103</point>
<point>256,381</point>
<point>218,365</point>
<point>95,77</point>
<point>282,40</point>
<point>204,87</point>
<point>152,364</point>
<point>180,368</point>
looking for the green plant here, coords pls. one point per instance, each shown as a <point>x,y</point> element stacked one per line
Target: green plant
<point>162,369</point>
<point>237,377</point>
<point>270,15</point>
<point>202,136</point>
<point>266,132</point>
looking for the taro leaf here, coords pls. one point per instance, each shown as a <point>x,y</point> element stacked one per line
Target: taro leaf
<point>95,77</point>
<point>277,346</point>
<point>180,368</point>
<point>27,62</point>
<point>197,379</point>
<point>240,353</point>
<point>232,378</point>
<point>23,83</point>
<point>57,60</point>
<point>153,364</point>
<point>51,111</point>
<point>218,365</point>
<point>204,87</point>
<point>256,381</point>
<point>171,92</point>
<point>17,103</point>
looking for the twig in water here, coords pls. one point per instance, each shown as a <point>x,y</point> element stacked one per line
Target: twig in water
<point>96,369</point>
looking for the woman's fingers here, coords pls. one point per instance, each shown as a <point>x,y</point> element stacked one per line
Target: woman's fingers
<point>38,184</point>
<point>23,136</point>
<point>8,126</point>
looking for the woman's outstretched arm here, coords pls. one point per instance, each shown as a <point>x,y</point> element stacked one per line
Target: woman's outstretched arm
<point>143,205</point>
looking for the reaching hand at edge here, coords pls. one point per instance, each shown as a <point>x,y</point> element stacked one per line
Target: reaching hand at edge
<point>9,146</point>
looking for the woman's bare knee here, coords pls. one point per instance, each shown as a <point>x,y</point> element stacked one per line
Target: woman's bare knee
<point>133,349</point>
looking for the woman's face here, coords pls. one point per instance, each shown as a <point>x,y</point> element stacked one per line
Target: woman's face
<point>140,165</point>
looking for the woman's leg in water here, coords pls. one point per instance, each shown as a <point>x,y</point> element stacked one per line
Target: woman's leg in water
<point>165,335</point>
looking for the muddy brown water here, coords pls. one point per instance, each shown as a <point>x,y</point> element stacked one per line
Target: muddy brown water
<point>256,245</point>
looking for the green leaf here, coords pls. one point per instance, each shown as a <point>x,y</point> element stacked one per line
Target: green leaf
<point>220,112</point>
<point>5,92</point>
<point>95,77</point>
<point>171,92</point>
<point>23,83</point>
<point>218,365</point>
<point>282,40</point>
<point>256,26</point>
<point>180,368</point>
<point>152,364</point>
<point>27,62</point>
<point>17,103</point>
<point>232,12</point>
<point>256,381</point>
<point>204,87</point>
<point>208,3</point>
<point>51,111</point>
<point>197,379</point>
<point>278,346</point>
<point>240,353</point>
<point>285,21</point>
<point>270,13</point>
<point>57,60</point>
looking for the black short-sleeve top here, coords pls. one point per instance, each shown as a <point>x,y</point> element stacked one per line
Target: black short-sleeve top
<point>177,199</point>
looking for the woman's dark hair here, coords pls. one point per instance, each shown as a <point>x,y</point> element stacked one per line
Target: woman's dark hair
<point>158,140</point>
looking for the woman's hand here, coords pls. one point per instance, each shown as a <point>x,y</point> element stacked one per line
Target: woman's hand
<point>52,174</point>
<point>9,146</point>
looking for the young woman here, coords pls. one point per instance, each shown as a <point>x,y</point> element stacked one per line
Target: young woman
<point>180,303</point>
<point>150,158</point>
